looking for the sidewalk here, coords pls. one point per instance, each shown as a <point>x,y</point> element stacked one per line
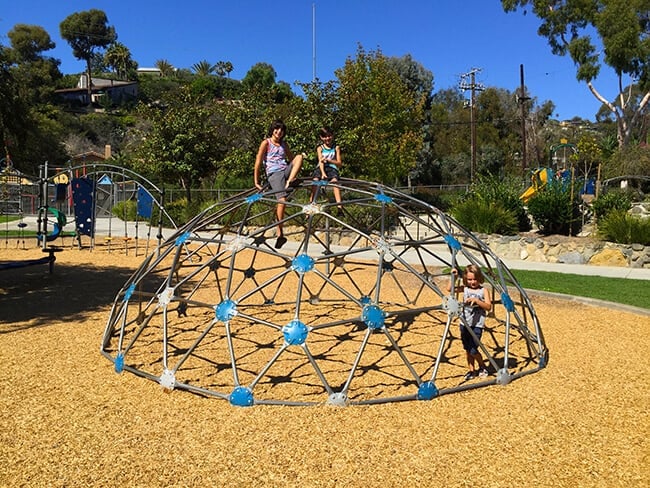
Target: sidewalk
<point>117,227</point>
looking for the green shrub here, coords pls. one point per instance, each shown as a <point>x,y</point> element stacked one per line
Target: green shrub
<point>176,211</point>
<point>125,210</point>
<point>620,227</point>
<point>441,201</point>
<point>503,192</point>
<point>610,201</point>
<point>487,218</point>
<point>554,212</point>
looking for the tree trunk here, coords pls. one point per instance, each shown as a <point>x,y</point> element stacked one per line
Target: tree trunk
<point>90,83</point>
<point>187,186</point>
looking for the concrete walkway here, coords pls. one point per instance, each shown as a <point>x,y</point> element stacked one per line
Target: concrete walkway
<point>117,228</point>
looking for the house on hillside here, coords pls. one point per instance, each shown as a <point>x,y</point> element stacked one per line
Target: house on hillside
<point>118,91</point>
<point>91,156</point>
<point>149,71</point>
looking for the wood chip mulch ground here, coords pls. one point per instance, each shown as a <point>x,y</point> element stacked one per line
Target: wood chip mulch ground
<point>68,420</point>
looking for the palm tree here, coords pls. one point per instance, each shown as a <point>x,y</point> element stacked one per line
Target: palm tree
<point>223,68</point>
<point>228,67</point>
<point>220,68</point>
<point>165,67</point>
<point>118,57</point>
<point>203,68</point>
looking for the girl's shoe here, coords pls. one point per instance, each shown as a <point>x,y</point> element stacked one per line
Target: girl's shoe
<point>469,375</point>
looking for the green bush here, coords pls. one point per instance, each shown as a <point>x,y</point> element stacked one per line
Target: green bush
<point>125,210</point>
<point>441,201</point>
<point>554,212</point>
<point>174,209</point>
<point>487,218</point>
<point>504,193</point>
<point>610,201</point>
<point>620,227</point>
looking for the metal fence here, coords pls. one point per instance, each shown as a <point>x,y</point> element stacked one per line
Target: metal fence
<point>24,199</point>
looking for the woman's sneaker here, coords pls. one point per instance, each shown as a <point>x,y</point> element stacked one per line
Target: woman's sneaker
<point>483,373</point>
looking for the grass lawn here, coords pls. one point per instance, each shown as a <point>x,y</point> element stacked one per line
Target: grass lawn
<point>618,290</point>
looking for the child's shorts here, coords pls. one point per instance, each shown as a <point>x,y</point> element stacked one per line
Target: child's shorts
<point>278,181</point>
<point>331,172</point>
<point>469,344</point>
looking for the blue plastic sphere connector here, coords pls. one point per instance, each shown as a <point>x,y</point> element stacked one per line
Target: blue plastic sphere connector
<point>295,333</point>
<point>303,263</point>
<point>452,242</point>
<point>254,198</point>
<point>180,240</point>
<point>119,363</point>
<point>225,311</point>
<point>241,396</point>
<point>381,198</point>
<point>373,316</point>
<point>508,304</point>
<point>365,300</point>
<point>427,391</point>
<point>129,292</point>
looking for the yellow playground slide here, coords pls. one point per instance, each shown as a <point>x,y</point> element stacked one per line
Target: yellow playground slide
<point>539,180</point>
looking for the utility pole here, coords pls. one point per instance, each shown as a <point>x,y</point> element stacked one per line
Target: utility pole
<point>313,41</point>
<point>473,87</point>
<point>522,99</point>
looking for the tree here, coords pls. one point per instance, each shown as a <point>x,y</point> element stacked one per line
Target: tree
<point>86,32</point>
<point>28,42</point>
<point>417,78</point>
<point>165,67</point>
<point>223,68</point>
<point>13,114</point>
<point>29,122</point>
<point>118,58</point>
<point>180,143</point>
<point>228,67</point>
<point>380,118</point>
<point>35,73</point>
<point>261,78</point>
<point>203,68</point>
<point>623,30</point>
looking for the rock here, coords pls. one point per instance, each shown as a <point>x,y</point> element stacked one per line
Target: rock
<point>573,257</point>
<point>609,257</point>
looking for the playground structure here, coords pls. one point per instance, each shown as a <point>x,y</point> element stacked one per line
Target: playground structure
<point>11,184</point>
<point>84,194</point>
<point>564,173</point>
<point>353,309</point>
<point>539,179</point>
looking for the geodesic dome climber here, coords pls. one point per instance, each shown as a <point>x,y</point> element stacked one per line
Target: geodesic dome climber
<point>353,309</point>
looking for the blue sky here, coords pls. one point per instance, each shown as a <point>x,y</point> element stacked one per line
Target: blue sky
<point>448,37</point>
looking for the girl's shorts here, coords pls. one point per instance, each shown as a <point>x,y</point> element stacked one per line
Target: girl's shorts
<point>469,344</point>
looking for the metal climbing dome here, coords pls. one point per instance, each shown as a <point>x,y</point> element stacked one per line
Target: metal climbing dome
<point>353,309</point>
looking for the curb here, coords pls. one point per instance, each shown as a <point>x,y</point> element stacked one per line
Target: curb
<point>592,301</point>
